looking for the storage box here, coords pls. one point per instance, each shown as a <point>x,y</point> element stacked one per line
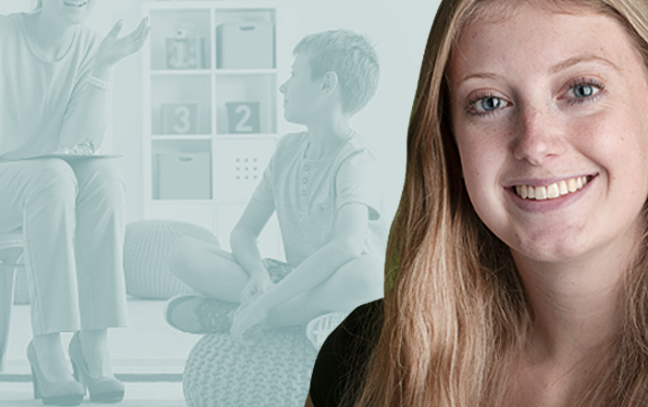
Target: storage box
<point>245,45</point>
<point>185,53</point>
<point>243,117</point>
<point>180,118</point>
<point>183,175</point>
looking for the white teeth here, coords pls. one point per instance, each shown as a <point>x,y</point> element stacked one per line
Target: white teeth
<point>540,193</point>
<point>563,188</point>
<point>552,191</point>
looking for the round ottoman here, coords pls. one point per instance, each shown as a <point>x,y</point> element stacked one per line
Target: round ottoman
<point>274,370</point>
<point>147,245</point>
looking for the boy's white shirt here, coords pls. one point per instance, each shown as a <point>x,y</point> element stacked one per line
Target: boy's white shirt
<point>357,228</point>
<point>308,194</point>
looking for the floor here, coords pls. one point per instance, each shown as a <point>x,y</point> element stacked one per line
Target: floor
<point>148,356</point>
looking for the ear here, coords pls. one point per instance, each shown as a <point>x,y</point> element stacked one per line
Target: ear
<point>329,82</point>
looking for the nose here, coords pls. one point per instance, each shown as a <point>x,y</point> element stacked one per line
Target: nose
<point>539,137</point>
<point>283,87</point>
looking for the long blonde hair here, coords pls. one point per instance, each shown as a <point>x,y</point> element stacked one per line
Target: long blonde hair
<point>455,309</point>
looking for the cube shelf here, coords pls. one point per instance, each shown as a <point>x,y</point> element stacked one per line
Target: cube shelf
<point>211,94</point>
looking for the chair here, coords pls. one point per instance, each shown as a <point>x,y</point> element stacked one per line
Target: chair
<point>11,258</point>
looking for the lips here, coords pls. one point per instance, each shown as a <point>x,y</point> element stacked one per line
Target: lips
<point>77,4</point>
<point>553,190</point>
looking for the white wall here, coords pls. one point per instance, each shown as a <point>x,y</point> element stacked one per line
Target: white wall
<point>398,29</point>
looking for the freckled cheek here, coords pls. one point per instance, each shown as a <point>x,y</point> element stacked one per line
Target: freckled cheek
<point>481,155</point>
<point>475,174</point>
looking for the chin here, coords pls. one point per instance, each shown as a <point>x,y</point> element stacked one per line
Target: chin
<point>292,119</point>
<point>552,252</point>
<point>76,21</point>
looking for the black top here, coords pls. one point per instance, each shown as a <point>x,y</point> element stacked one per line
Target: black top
<point>340,363</point>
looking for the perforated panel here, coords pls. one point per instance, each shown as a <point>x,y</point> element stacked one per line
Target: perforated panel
<point>239,166</point>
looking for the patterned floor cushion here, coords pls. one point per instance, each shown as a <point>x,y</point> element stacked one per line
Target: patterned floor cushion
<point>272,370</point>
<point>146,255</point>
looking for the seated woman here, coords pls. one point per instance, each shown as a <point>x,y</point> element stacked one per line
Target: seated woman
<point>516,272</point>
<point>53,87</point>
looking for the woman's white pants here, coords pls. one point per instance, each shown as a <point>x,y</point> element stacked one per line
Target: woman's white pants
<point>72,217</point>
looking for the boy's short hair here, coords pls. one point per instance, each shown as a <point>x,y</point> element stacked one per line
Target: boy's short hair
<point>351,57</point>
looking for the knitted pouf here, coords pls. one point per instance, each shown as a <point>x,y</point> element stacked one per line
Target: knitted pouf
<point>272,371</point>
<point>146,256</point>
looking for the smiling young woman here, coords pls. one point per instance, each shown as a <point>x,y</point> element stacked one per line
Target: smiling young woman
<point>516,267</point>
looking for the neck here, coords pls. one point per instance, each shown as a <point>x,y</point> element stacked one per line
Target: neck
<point>327,135</point>
<point>50,35</point>
<point>577,304</point>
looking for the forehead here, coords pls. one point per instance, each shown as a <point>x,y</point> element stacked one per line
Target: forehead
<point>301,62</point>
<point>537,37</point>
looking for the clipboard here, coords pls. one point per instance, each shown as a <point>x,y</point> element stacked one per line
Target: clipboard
<point>74,157</point>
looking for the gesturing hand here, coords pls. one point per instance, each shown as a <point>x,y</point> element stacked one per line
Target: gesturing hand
<point>113,49</point>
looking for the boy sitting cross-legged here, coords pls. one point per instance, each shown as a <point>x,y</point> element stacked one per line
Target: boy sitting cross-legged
<point>324,186</point>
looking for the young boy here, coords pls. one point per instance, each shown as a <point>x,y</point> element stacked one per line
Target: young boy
<point>324,185</point>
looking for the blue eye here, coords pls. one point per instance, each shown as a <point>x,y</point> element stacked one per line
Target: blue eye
<point>489,103</point>
<point>486,105</point>
<point>583,91</point>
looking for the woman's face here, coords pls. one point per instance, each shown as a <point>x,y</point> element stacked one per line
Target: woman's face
<point>69,12</point>
<point>553,106</point>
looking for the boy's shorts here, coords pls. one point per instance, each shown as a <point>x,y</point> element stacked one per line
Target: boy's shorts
<point>277,269</point>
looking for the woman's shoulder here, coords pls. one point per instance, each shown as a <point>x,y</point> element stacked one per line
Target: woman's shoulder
<point>341,361</point>
<point>10,23</point>
<point>88,40</point>
<point>361,323</point>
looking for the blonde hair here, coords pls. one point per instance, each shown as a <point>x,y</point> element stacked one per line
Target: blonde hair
<point>455,308</point>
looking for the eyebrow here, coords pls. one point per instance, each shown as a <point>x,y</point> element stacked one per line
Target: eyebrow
<point>561,66</point>
<point>581,59</point>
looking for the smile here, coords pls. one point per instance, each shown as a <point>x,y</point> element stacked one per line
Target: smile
<point>555,190</point>
<point>76,4</point>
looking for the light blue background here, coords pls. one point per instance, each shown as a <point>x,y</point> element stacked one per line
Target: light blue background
<point>398,29</point>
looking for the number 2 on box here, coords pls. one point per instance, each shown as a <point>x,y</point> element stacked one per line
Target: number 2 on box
<point>242,126</point>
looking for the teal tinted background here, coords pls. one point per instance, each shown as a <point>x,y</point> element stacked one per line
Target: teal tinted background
<point>398,29</point>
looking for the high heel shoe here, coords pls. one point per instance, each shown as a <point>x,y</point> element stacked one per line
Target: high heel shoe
<point>61,393</point>
<point>104,389</point>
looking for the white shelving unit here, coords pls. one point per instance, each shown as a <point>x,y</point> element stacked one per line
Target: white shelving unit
<point>211,96</point>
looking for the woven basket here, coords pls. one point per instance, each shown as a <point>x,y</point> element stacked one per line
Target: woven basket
<point>273,371</point>
<point>146,256</point>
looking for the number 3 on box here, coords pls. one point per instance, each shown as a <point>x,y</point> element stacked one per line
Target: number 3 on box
<point>183,116</point>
